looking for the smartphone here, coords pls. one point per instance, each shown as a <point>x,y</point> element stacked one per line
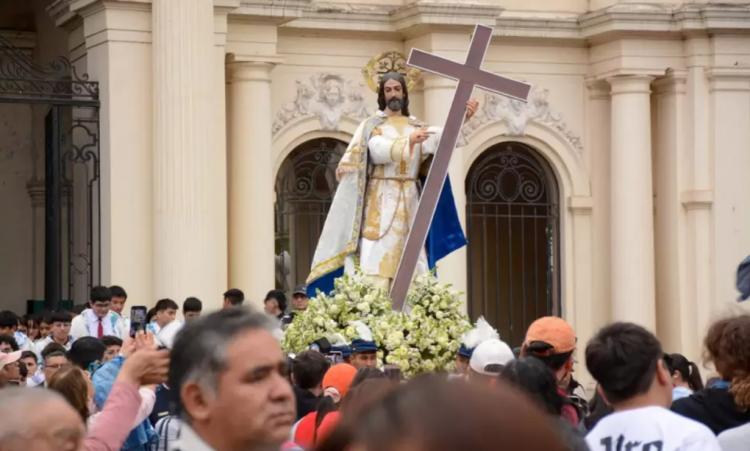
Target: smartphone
<point>137,319</point>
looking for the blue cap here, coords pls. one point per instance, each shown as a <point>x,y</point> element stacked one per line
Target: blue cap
<point>345,350</point>
<point>463,351</point>
<point>743,279</point>
<point>359,345</point>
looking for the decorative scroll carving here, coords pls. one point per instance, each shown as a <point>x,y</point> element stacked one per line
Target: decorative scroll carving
<point>516,115</point>
<point>327,96</point>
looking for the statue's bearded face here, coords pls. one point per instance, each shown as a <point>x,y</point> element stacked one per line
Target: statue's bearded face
<point>394,95</point>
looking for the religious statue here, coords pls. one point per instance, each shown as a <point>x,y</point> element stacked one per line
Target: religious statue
<point>378,193</point>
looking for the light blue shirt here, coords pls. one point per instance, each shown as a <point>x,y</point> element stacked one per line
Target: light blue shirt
<point>680,392</point>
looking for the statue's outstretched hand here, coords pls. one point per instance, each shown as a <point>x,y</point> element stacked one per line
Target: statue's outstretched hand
<point>471,108</point>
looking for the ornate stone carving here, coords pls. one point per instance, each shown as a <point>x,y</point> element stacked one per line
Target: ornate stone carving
<point>516,115</point>
<point>327,96</point>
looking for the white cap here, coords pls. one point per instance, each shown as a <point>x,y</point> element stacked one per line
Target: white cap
<point>490,352</point>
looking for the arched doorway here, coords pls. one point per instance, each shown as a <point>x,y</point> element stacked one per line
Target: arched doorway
<point>305,186</point>
<point>512,220</point>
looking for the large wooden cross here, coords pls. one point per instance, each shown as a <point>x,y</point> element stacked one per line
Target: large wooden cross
<point>468,75</point>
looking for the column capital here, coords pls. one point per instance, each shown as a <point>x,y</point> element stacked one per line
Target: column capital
<point>249,70</point>
<point>728,79</point>
<point>673,83</point>
<point>598,89</point>
<point>630,84</point>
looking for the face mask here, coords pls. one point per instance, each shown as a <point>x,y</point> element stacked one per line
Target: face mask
<point>395,104</point>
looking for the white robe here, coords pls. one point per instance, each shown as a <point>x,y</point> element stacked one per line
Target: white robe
<point>392,196</point>
<point>376,200</point>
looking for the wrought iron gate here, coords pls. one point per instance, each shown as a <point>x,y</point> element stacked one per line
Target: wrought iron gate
<point>72,242</point>
<point>513,231</point>
<point>305,186</point>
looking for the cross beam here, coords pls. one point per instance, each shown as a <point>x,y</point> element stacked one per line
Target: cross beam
<point>468,75</point>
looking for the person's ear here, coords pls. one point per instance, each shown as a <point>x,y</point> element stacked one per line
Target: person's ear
<point>662,374</point>
<point>196,401</point>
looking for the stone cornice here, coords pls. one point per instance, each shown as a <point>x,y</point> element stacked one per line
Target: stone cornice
<point>595,26</point>
<point>423,16</point>
<point>63,12</point>
<point>271,10</point>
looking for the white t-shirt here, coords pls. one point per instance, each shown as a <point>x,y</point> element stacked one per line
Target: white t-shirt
<point>735,439</point>
<point>650,429</point>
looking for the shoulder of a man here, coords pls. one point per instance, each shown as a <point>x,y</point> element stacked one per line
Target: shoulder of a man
<point>78,326</point>
<point>735,439</point>
<point>695,436</point>
<point>689,434</point>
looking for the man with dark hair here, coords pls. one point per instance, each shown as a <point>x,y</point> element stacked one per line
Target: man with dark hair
<point>378,191</point>
<point>299,305</point>
<point>98,320</point>
<point>165,311</point>
<point>191,308</point>
<point>8,344</point>
<point>86,351</point>
<point>627,362</point>
<point>227,376</point>
<point>45,325</point>
<point>59,332</point>
<point>112,347</point>
<point>119,298</point>
<point>9,322</point>
<point>54,357</point>
<point>275,303</point>
<point>308,369</point>
<point>233,297</point>
<point>31,361</point>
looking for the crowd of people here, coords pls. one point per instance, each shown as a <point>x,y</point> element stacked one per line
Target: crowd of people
<point>101,380</point>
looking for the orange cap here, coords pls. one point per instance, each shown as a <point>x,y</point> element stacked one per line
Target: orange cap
<point>340,377</point>
<point>554,331</point>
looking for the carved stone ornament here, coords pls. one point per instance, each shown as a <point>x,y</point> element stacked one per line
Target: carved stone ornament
<point>327,96</point>
<point>516,115</point>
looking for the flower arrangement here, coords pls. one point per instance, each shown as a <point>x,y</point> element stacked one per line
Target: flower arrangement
<point>424,340</point>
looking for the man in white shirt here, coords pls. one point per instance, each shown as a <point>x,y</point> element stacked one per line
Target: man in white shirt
<point>119,298</point>
<point>59,333</point>
<point>627,362</point>
<point>98,320</point>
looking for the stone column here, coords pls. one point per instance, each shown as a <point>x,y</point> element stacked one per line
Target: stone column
<point>669,170</point>
<point>696,199</point>
<point>598,142</point>
<point>251,183</point>
<point>729,89</point>
<point>438,96</point>
<point>632,220</point>
<point>187,225</point>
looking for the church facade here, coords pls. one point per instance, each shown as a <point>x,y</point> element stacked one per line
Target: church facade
<point>619,191</point>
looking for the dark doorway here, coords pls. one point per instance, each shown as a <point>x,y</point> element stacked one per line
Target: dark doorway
<point>305,186</point>
<point>513,231</point>
<point>72,239</point>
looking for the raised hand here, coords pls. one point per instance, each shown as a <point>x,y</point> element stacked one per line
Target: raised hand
<point>471,108</point>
